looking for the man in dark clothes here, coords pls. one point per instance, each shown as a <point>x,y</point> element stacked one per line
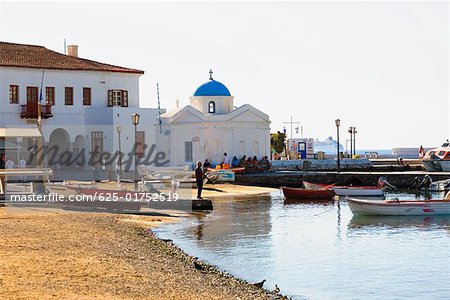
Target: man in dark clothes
<point>2,178</point>
<point>199,179</point>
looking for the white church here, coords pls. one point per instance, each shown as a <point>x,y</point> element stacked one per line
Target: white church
<point>212,125</point>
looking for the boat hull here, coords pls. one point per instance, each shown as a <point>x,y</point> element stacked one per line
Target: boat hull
<point>304,194</point>
<point>445,165</point>
<point>97,198</point>
<point>351,191</point>
<point>432,165</point>
<point>399,208</point>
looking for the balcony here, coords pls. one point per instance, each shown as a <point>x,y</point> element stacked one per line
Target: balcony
<point>31,112</point>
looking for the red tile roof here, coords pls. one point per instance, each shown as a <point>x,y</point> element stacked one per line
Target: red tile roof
<point>39,57</point>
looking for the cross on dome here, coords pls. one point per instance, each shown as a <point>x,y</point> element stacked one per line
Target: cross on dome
<point>210,74</point>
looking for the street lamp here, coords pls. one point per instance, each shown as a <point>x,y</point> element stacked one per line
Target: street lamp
<point>354,140</point>
<point>135,120</point>
<point>119,130</point>
<point>350,130</point>
<point>338,123</point>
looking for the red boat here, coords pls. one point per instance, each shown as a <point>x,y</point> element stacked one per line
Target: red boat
<point>304,194</point>
<point>237,170</point>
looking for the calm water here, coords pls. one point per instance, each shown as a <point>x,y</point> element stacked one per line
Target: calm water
<point>315,251</point>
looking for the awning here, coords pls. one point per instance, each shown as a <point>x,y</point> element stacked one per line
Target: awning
<point>8,146</point>
<point>19,132</point>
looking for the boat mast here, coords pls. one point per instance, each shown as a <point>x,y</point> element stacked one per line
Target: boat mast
<point>159,109</point>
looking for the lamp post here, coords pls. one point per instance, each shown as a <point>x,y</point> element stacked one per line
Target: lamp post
<point>350,130</point>
<point>135,120</point>
<point>354,140</point>
<point>338,123</point>
<point>119,130</point>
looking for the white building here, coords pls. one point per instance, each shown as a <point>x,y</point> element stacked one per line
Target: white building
<point>82,100</point>
<point>211,125</point>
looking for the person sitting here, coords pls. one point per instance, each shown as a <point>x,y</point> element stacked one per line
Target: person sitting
<point>243,161</point>
<point>225,161</point>
<point>234,162</point>
<point>256,164</point>
<point>264,162</point>
<point>249,167</point>
<point>206,165</point>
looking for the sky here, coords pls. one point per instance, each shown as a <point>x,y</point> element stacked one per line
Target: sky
<point>380,66</point>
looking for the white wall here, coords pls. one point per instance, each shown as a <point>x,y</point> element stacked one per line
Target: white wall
<point>219,137</point>
<point>80,120</point>
<point>224,104</point>
<point>99,82</point>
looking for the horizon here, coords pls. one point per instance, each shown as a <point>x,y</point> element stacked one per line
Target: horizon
<point>374,65</point>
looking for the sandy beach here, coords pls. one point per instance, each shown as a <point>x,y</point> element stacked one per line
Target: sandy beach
<point>57,253</point>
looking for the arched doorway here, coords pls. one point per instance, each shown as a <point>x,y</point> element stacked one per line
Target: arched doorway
<point>59,143</point>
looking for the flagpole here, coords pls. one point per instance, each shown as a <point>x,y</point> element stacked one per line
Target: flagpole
<point>39,123</point>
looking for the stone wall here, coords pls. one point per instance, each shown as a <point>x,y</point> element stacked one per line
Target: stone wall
<point>294,179</point>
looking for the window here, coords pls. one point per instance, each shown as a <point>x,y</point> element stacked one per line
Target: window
<point>212,107</point>
<point>140,142</point>
<point>50,95</point>
<point>188,151</point>
<point>86,96</point>
<point>118,98</point>
<point>14,94</point>
<point>68,100</point>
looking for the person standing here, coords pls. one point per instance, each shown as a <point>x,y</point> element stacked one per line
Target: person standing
<point>10,164</point>
<point>2,177</point>
<point>23,165</point>
<point>199,179</point>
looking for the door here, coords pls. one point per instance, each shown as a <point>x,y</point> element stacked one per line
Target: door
<point>32,102</point>
<point>302,149</point>
<point>96,145</point>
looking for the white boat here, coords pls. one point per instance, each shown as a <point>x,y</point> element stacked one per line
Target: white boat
<point>438,159</point>
<point>342,191</point>
<point>220,175</point>
<point>399,207</point>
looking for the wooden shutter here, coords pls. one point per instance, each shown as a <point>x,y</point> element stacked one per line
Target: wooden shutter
<point>110,98</point>
<point>124,98</point>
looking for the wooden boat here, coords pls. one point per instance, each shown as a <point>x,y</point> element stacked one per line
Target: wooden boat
<point>399,207</point>
<point>305,194</point>
<point>361,191</point>
<point>220,175</point>
<point>237,170</point>
<point>97,197</point>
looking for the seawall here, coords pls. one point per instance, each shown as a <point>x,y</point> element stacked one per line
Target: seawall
<point>295,178</point>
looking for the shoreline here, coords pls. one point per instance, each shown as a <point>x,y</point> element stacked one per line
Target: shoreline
<point>56,253</point>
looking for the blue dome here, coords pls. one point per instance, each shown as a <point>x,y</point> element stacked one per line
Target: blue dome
<point>212,88</point>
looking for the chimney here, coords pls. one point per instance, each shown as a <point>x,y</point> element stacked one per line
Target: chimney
<point>72,50</point>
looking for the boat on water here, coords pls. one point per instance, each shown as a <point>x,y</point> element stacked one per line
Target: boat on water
<point>437,159</point>
<point>342,191</point>
<point>307,194</point>
<point>398,207</point>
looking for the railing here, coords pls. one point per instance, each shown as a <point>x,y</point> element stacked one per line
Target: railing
<point>31,112</point>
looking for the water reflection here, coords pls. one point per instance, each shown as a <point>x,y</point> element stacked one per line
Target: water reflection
<point>399,221</point>
<point>319,250</point>
<point>216,232</point>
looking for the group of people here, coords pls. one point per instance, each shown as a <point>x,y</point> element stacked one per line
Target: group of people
<point>251,165</point>
<point>10,163</point>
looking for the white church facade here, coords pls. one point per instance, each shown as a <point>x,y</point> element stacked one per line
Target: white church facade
<point>210,126</point>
